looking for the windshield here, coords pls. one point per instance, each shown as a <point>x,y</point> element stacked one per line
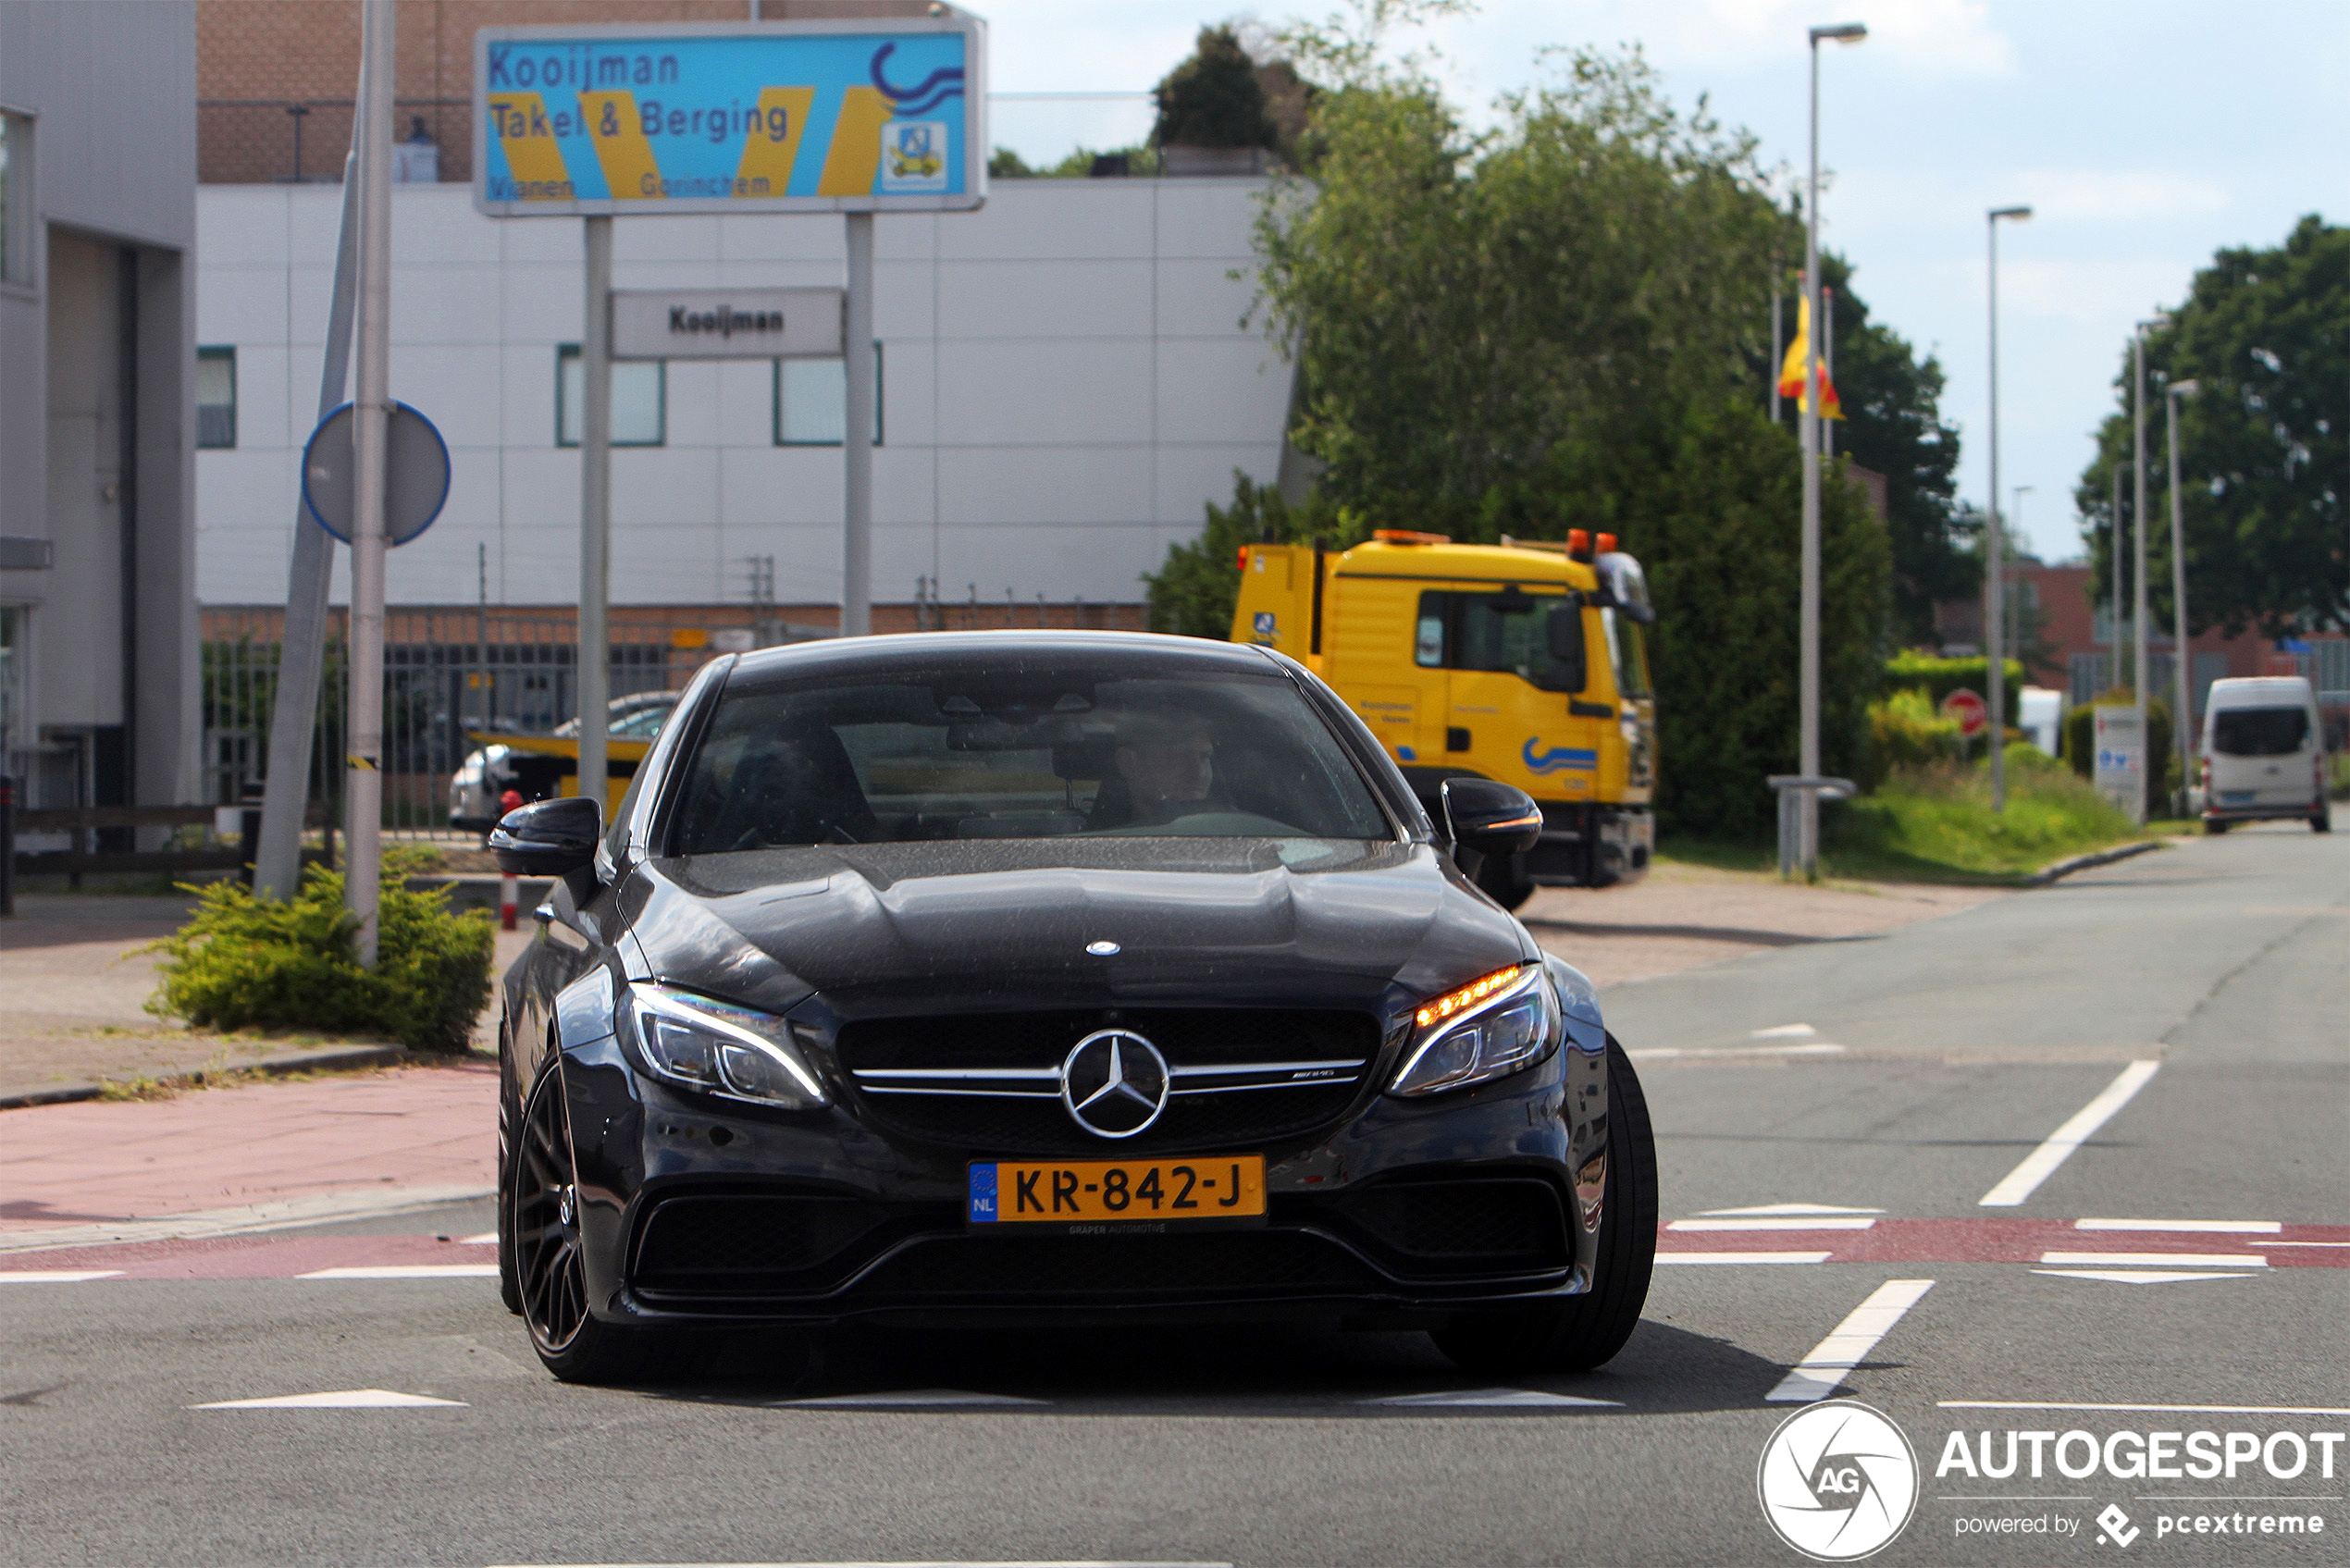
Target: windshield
<point>1067,753</point>
<point>2259,731</point>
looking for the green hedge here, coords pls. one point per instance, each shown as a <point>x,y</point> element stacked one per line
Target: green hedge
<point>1938,678</point>
<point>242,962</point>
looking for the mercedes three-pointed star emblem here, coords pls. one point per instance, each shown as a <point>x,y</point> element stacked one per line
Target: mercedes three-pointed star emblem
<point>1114,1083</point>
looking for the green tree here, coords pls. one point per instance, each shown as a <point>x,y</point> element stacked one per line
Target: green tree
<point>1214,98</point>
<point>1893,424</point>
<point>2264,454</point>
<point>1193,594</point>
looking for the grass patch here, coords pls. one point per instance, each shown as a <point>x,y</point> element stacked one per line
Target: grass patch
<point>1934,823</point>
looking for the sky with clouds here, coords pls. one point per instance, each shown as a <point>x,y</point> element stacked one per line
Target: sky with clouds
<point>2145,135</point>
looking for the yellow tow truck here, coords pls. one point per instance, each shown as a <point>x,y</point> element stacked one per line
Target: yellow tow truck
<point>1522,662</point>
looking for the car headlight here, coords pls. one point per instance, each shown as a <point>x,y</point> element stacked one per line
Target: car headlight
<point>718,1048</point>
<point>1499,1024</point>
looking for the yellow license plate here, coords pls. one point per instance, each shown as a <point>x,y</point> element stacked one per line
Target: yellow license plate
<point>1103,1196</point>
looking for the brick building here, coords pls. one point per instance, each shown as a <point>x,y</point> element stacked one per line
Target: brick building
<point>274,82</point>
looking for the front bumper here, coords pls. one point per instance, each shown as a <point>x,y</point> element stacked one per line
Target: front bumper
<point>694,1211</point>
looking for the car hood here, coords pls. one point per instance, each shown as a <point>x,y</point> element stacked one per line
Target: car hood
<point>919,928</point>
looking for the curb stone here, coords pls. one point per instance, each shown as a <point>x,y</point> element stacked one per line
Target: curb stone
<point>333,1059</point>
<point>2082,862</point>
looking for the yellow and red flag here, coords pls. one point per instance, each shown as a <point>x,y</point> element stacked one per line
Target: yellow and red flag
<point>1791,369</point>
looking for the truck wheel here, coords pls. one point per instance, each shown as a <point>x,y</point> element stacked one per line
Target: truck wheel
<point>1504,879</point>
<point>1581,1332</point>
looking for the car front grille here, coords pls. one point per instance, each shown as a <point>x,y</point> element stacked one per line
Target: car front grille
<point>1457,1226</point>
<point>1217,1264</point>
<point>730,1241</point>
<point>991,1083</point>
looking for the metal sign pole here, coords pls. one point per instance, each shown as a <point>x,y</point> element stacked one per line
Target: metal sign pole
<point>372,422</point>
<point>592,673</point>
<point>1807,417</point>
<point>302,643</point>
<point>856,441</point>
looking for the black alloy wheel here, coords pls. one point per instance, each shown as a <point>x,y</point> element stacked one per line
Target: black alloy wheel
<point>509,1114</point>
<point>543,1221</point>
<point>1579,1333</point>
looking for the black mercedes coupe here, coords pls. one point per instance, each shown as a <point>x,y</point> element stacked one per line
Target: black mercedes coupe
<point>1033,977</point>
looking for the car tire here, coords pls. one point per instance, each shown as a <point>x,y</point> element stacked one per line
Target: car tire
<point>1577,1333</point>
<point>509,1120</point>
<point>2213,830</point>
<point>2320,821</point>
<point>1504,879</point>
<point>542,1216</point>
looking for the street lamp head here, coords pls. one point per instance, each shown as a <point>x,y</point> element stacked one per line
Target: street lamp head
<point>2018,213</point>
<point>2183,389</point>
<point>1844,33</point>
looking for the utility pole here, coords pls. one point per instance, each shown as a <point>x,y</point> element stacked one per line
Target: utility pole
<point>2143,687</point>
<point>1995,557</point>
<point>856,441</point>
<point>371,435</point>
<point>592,675</point>
<point>2180,725</point>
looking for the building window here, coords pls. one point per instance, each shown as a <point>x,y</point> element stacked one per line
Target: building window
<point>639,400</point>
<point>811,402</point>
<point>16,200</point>
<point>216,397</point>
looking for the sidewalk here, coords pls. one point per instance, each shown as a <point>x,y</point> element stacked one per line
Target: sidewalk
<point>1681,916</point>
<point>76,986</point>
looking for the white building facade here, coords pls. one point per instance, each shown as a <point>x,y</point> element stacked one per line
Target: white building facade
<point>1068,377</point>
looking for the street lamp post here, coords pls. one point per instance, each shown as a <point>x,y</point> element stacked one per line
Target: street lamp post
<point>2142,688</point>
<point>2012,637</point>
<point>2172,394</point>
<point>1995,548</point>
<point>1808,422</point>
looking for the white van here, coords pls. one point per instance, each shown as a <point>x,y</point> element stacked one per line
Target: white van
<point>2264,755</point>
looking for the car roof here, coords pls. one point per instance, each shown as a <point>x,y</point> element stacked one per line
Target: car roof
<point>2255,691</point>
<point>1137,653</point>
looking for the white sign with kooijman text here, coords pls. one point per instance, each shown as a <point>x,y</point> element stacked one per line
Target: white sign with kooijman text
<point>725,323</point>
<point>2120,742</point>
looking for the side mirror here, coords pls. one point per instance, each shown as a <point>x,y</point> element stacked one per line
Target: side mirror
<point>1486,817</point>
<point>550,838</point>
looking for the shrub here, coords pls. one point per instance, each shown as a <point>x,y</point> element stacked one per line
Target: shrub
<point>1906,732</point>
<point>242,962</point>
<point>1938,678</point>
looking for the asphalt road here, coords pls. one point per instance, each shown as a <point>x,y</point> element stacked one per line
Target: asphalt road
<point>1965,1043</point>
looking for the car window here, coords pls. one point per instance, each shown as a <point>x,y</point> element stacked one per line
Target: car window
<point>1506,631</point>
<point>2259,732</point>
<point>963,755</point>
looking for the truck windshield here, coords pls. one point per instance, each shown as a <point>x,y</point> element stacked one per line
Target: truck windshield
<point>2259,731</point>
<point>1627,653</point>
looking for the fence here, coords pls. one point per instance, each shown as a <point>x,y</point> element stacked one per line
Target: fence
<point>453,674</point>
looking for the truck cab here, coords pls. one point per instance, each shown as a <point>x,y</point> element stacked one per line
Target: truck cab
<point>1517,661</point>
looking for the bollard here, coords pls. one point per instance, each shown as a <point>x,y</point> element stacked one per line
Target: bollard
<point>509,895</point>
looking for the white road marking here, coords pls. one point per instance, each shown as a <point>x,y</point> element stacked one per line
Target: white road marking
<point>2177,1409</point>
<point>1819,1374</point>
<point>1784,1031</point>
<point>2231,1226</point>
<point>2042,1162</point>
<point>1667,1053</point>
<point>900,1562</point>
<point>408,1271</point>
<point>347,1399</point>
<point>2301,1243</point>
<point>56,1275</point>
<point>1777,1223</point>
<point>1793,1208</point>
<point>1741,1258</point>
<point>487,1238</point>
<point>904,1397</point>
<point>2140,1276</point>
<point>277,1214</point>
<point>2157,1260</point>
<point>1505,1399</point>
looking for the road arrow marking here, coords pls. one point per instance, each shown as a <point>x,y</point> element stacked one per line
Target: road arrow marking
<point>2157,1260</point>
<point>1501,1399</point>
<point>1792,1208</point>
<point>2140,1276</point>
<point>348,1399</point>
<point>1819,1374</point>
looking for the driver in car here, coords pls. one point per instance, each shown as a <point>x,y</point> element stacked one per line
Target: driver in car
<point>1166,761</point>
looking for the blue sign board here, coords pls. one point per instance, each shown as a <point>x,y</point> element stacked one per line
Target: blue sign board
<point>882,115</point>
